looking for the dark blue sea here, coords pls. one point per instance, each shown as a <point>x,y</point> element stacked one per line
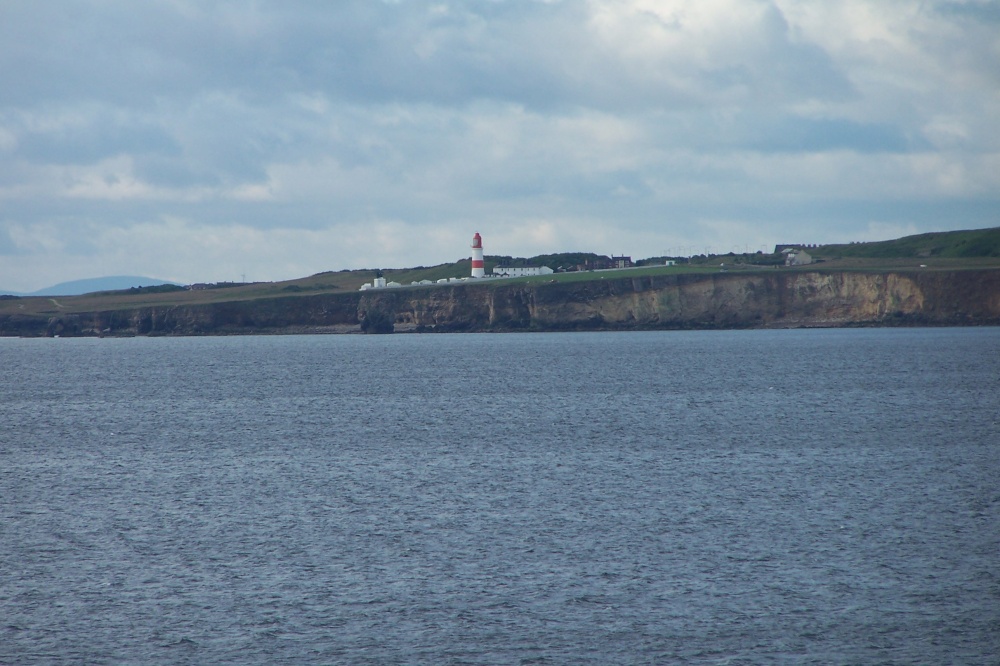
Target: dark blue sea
<point>734,497</point>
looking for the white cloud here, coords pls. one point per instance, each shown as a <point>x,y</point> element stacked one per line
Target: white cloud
<point>41,238</point>
<point>109,179</point>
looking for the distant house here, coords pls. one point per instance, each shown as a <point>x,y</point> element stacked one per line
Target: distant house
<point>521,271</point>
<point>621,262</point>
<point>594,264</point>
<point>796,257</point>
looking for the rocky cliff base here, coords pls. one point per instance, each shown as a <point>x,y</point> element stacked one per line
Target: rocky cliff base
<point>679,301</point>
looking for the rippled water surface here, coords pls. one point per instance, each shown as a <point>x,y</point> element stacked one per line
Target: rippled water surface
<point>814,496</point>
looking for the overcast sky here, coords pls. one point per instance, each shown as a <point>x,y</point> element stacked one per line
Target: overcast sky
<point>207,141</point>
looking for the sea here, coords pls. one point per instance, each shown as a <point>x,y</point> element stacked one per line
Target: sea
<point>812,496</point>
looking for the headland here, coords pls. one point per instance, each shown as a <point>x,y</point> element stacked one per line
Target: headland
<point>840,288</point>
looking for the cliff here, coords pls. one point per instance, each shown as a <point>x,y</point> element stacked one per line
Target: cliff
<point>670,301</point>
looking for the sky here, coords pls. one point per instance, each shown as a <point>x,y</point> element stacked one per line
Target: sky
<point>263,140</point>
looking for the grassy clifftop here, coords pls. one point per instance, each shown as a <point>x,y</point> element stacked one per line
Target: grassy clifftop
<point>946,244</point>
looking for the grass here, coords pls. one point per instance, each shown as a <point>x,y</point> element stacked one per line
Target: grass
<point>976,243</point>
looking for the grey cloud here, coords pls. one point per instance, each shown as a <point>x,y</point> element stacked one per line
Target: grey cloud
<point>94,137</point>
<point>791,134</point>
<point>535,54</point>
<point>987,11</point>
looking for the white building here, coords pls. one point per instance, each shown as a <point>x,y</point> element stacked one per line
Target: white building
<point>521,271</point>
<point>796,257</point>
<point>379,283</point>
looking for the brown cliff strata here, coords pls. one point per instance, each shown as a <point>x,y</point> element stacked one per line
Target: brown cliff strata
<point>765,299</point>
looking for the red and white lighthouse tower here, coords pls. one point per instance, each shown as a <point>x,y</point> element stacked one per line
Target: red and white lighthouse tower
<point>477,256</point>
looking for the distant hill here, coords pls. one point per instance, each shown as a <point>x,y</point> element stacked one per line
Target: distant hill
<point>111,283</point>
<point>946,244</point>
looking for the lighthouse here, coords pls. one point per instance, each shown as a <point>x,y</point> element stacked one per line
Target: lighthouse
<point>477,256</point>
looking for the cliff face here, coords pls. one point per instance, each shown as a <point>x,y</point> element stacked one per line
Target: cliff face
<point>782,299</point>
<point>722,300</point>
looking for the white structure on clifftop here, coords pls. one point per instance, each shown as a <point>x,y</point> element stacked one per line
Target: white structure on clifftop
<point>521,271</point>
<point>379,283</point>
<point>796,257</point>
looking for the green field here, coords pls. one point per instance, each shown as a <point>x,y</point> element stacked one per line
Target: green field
<point>978,243</point>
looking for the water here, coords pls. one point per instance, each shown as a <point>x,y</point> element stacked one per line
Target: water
<point>813,496</point>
